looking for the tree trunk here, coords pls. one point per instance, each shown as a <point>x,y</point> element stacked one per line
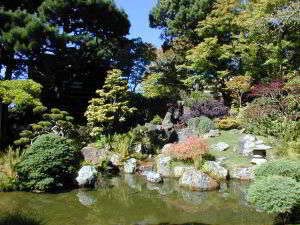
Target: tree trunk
<point>8,73</point>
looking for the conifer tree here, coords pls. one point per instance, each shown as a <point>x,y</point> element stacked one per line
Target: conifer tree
<point>106,113</point>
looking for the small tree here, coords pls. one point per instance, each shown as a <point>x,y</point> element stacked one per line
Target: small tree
<point>107,112</point>
<point>238,86</point>
<point>275,194</point>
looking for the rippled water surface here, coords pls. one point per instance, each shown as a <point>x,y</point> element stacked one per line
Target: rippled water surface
<point>128,200</point>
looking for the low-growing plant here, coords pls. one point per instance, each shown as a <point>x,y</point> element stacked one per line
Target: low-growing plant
<point>285,168</point>
<point>201,124</point>
<point>190,149</point>
<point>50,163</point>
<point>157,120</point>
<point>8,175</point>
<point>210,108</point>
<point>227,123</point>
<point>275,194</point>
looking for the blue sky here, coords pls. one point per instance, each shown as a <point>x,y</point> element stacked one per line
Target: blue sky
<point>138,12</point>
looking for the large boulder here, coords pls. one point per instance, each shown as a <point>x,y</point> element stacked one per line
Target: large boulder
<point>163,165</point>
<point>242,173</point>
<point>215,170</point>
<point>197,180</point>
<point>87,176</point>
<point>130,165</point>
<point>179,170</point>
<point>94,155</point>
<point>249,145</point>
<point>152,176</point>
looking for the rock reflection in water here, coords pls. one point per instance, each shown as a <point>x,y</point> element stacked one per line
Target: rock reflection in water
<point>85,199</point>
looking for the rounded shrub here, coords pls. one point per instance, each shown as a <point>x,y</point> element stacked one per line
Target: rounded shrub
<point>227,123</point>
<point>49,164</point>
<point>201,124</point>
<point>275,194</point>
<point>285,168</point>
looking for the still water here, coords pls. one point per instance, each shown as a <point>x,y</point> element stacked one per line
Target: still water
<point>129,200</point>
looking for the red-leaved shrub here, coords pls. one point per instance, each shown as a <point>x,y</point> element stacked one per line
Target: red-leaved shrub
<point>190,149</point>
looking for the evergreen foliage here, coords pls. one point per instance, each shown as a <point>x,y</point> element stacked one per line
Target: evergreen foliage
<point>106,113</point>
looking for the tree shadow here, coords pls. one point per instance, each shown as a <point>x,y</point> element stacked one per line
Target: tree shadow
<point>19,219</point>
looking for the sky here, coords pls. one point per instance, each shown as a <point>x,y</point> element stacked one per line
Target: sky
<point>138,12</point>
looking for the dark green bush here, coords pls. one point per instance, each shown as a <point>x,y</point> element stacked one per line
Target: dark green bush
<point>285,168</point>
<point>49,164</point>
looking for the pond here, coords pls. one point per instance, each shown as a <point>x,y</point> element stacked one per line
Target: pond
<point>129,200</point>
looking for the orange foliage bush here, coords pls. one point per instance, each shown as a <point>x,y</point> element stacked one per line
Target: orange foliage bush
<point>192,148</point>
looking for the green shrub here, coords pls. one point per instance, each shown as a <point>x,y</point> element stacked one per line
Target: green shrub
<point>285,168</point>
<point>7,183</point>
<point>157,120</point>
<point>196,96</point>
<point>227,123</point>
<point>201,124</point>
<point>50,163</point>
<point>290,149</point>
<point>275,194</point>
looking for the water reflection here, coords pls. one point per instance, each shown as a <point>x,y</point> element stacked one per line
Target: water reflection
<point>85,199</point>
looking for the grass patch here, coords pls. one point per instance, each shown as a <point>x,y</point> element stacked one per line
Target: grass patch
<point>233,159</point>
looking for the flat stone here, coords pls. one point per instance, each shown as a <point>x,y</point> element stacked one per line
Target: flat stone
<point>262,147</point>
<point>212,133</point>
<point>221,146</point>
<point>115,159</point>
<point>258,161</point>
<point>198,180</point>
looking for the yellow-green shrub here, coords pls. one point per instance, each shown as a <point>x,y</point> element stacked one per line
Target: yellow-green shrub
<point>227,123</point>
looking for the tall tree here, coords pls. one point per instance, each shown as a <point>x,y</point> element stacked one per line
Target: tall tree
<point>179,18</point>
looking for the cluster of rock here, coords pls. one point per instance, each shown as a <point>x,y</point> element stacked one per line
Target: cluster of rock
<point>252,147</point>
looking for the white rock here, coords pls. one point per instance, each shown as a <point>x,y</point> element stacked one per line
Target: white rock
<point>197,180</point>
<point>262,147</point>
<point>86,176</point>
<point>249,137</point>
<point>212,133</point>
<point>166,148</point>
<point>152,176</point>
<point>258,161</point>
<point>221,146</point>
<point>115,159</point>
<point>163,165</point>
<point>215,170</point>
<point>180,169</point>
<point>242,173</point>
<point>130,165</point>
<point>259,142</point>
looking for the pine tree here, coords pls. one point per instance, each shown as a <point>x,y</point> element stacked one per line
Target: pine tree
<point>106,113</point>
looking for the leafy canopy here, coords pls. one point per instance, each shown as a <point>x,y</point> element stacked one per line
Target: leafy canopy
<point>22,94</point>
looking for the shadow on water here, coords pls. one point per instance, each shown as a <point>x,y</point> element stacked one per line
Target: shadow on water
<point>19,219</point>
<point>181,224</point>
